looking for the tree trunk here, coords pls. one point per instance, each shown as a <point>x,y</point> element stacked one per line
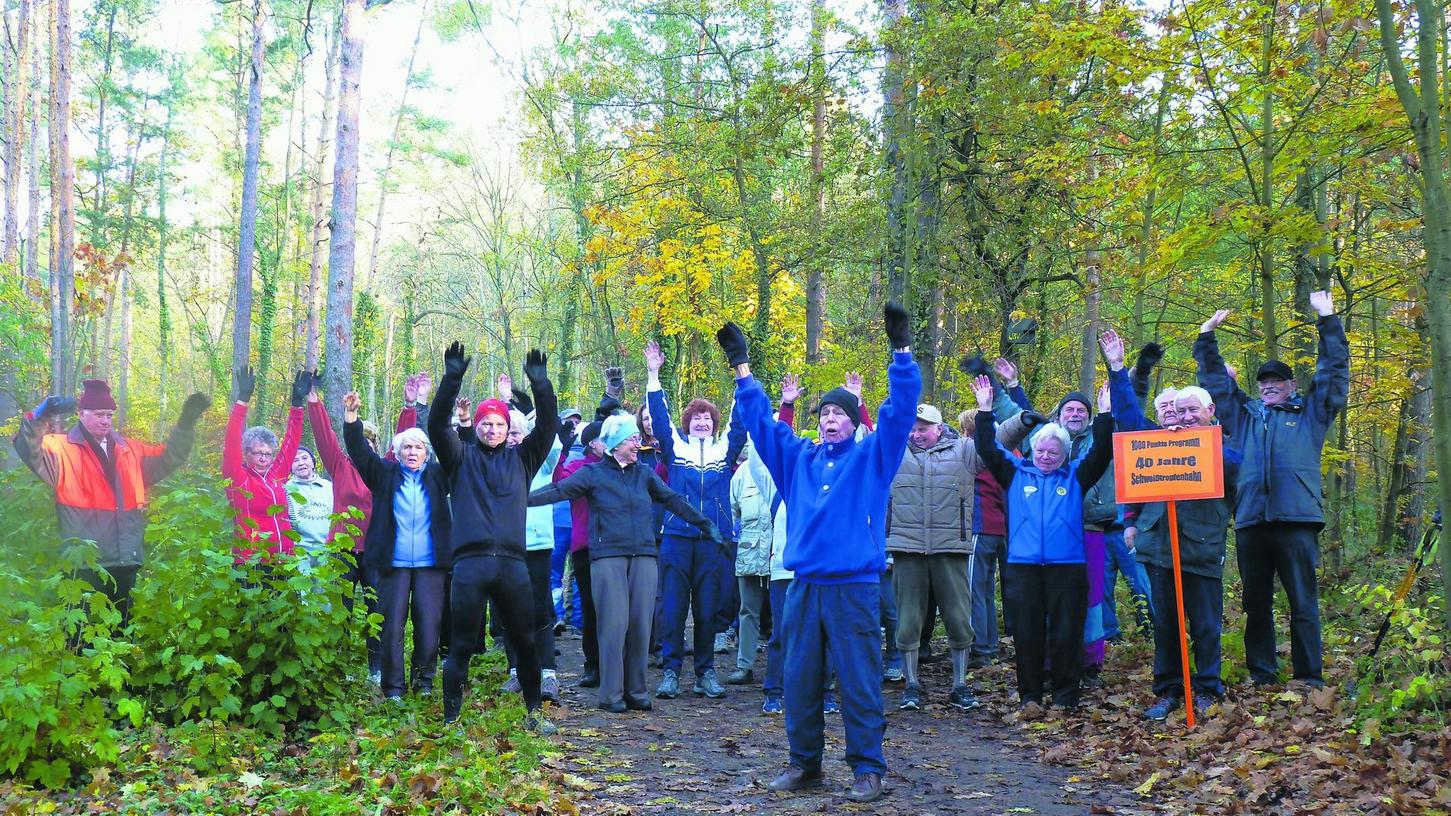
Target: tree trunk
<point>1423,110</point>
<point>247,233</point>
<point>103,136</point>
<point>1265,246</point>
<point>32,160</point>
<point>15,101</point>
<point>392,148</point>
<point>163,312</point>
<point>894,123</point>
<point>63,182</point>
<point>816,272</point>
<point>1088,366</point>
<point>339,344</point>
<point>320,184</point>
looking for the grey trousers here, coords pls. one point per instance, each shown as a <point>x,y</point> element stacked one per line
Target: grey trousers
<point>624,594</point>
<point>947,577</point>
<point>755,593</point>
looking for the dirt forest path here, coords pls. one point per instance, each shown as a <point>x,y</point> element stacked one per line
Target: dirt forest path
<point>692,755</point>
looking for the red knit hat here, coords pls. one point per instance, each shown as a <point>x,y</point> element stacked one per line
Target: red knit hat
<point>96,397</point>
<point>491,406</point>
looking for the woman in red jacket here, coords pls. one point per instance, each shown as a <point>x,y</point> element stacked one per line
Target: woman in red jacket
<point>258,467</point>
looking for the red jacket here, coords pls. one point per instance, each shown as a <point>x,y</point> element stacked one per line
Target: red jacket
<point>348,487</point>
<point>578,508</point>
<point>260,499</point>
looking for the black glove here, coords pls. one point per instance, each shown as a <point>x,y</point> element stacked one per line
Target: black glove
<point>301,385</point>
<point>733,342</point>
<point>607,408</point>
<point>520,399</point>
<point>899,325</point>
<point>536,367</point>
<point>455,362</point>
<point>246,380</point>
<point>54,406</point>
<point>1033,419</point>
<point>193,408</point>
<point>614,382</point>
<point>1149,356</point>
<point>973,365</point>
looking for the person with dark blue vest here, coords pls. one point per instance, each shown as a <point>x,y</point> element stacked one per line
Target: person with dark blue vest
<point>693,567</point>
<point>836,491</point>
<point>1045,585</point>
<point>1278,511</point>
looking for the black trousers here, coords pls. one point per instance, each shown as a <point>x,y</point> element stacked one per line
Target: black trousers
<point>538,564</point>
<point>1048,603</point>
<point>118,588</point>
<point>579,559</point>
<point>418,591</point>
<point>505,581</point>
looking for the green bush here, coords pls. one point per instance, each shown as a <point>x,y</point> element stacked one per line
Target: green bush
<point>267,646</point>
<point>63,666</point>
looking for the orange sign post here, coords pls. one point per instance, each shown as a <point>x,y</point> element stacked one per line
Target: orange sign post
<point>1171,466</point>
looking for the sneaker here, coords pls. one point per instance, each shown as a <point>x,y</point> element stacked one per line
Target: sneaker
<point>512,684</point>
<point>707,685</point>
<point>669,686</point>
<point>828,704</point>
<point>981,661</point>
<point>741,677</point>
<point>549,688</point>
<point>1159,711</point>
<point>376,677</point>
<point>911,699</point>
<point>1202,702</point>
<point>656,661</point>
<point>962,698</point>
<point>772,705</point>
<point>893,674</point>
<point>534,721</point>
<point>394,698</point>
<point>1092,678</point>
<point>722,643</point>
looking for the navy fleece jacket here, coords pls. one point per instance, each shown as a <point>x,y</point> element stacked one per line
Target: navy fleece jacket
<point>836,492</point>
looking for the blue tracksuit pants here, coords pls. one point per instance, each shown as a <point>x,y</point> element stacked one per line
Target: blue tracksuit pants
<point>690,582</point>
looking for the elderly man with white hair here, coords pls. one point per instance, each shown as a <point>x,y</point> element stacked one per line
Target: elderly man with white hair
<point>1203,531</point>
<point>409,546</point>
<point>1045,584</point>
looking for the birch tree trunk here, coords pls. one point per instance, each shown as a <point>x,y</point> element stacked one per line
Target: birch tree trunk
<point>378,218</point>
<point>163,312</point>
<point>63,182</point>
<point>247,232</point>
<point>339,343</point>
<point>32,161</point>
<point>15,101</point>
<point>320,185</point>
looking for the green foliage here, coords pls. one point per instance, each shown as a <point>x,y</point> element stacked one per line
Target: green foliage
<point>1408,684</point>
<point>263,645</point>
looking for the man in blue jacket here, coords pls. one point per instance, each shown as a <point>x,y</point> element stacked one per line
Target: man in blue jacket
<point>836,491</point>
<point>1278,511</point>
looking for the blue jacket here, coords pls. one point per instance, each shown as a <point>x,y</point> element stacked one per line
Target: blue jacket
<point>1045,510</point>
<point>700,469</point>
<point>1280,478</point>
<point>836,493</point>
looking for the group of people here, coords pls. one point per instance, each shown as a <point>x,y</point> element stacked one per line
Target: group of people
<point>835,537</point>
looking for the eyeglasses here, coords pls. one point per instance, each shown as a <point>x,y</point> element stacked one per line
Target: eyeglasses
<point>261,454</point>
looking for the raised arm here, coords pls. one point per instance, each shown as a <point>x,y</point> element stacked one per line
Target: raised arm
<point>578,483</point>
<point>1128,413</point>
<point>445,441</point>
<point>994,458</point>
<point>1231,404</point>
<point>30,439</point>
<point>369,465</point>
<point>735,438</point>
<point>776,443</point>
<point>853,385</point>
<point>904,388</point>
<point>287,450</point>
<point>1330,388</point>
<point>537,442</point>
<point>1093,465</point>
<point>232,440</point>
<point>159,462</point>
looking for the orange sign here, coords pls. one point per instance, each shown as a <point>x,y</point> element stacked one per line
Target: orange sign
<point>1169,465</point>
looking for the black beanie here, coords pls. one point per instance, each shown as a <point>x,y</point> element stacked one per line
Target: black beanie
<point>843,399</point>
<point>1076,396</point>
<point>590,433</point>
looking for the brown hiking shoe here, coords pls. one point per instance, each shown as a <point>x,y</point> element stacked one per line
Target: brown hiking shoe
<point>866,788</point>
<point>795,779</point>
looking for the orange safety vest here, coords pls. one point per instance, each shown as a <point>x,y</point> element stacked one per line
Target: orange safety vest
<point>82,482</point>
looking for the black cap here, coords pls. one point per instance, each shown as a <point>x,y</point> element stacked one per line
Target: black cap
<point>590,433</point>
<point>843,399</point>
<point>1274,370</point>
